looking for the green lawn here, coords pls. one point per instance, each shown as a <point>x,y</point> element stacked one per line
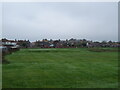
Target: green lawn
<point>61,68</point>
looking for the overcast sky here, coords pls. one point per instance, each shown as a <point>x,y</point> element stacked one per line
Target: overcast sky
<point>35,21</point>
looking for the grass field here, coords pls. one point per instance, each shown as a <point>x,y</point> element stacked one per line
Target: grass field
<point>61,68</point>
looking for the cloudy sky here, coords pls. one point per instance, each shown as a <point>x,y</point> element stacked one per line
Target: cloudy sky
<point>35,21</point>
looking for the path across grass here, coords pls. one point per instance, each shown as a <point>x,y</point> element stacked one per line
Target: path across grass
<point>61,68</point>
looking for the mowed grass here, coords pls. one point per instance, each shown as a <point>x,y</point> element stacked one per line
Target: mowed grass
<point>61,68</point>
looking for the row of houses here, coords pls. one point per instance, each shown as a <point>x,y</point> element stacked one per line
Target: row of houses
<point>20,43</point>
<point>71,43</point>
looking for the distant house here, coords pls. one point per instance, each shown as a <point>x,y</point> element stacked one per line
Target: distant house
<point>23,43</point>
<point>7,47</point>
<point>32,44</point>
<point>42,44</point>
<point>51,45</point>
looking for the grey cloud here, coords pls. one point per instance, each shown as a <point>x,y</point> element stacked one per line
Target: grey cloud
<point>94,21</point>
